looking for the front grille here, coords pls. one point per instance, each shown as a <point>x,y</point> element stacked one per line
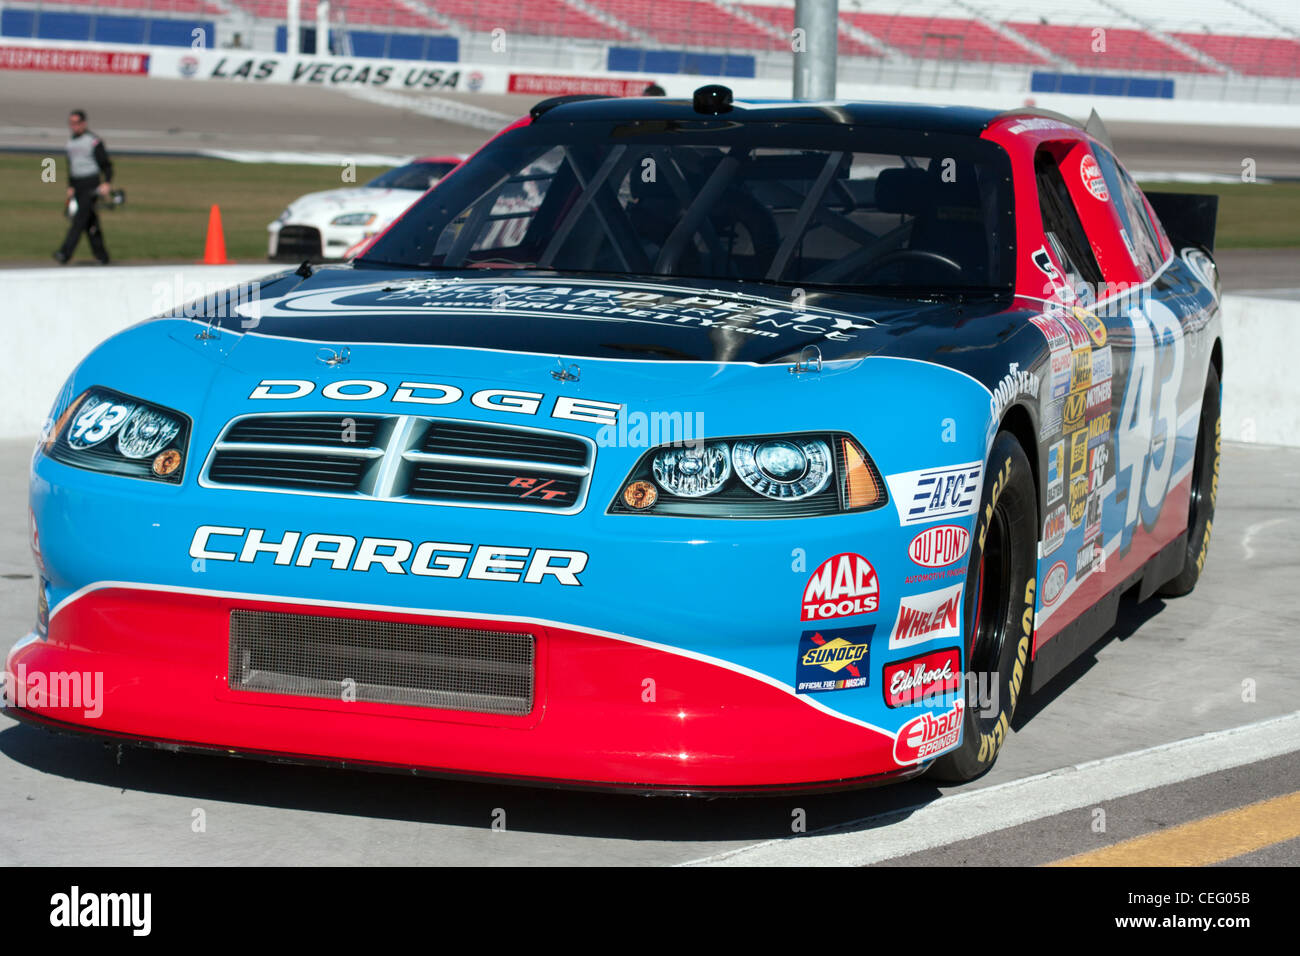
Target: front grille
<point>404,457</point>
<point>487,485</point>
<point>484,441</point>
<point>384,662</point>
<point>341,430</point>
<point>298,242</point>
<point>283,470</point>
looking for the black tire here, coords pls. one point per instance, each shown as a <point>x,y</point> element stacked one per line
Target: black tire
<point>1205,491</point>
<point>999,609</point>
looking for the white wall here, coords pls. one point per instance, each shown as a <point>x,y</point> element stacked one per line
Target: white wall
<point>53,317</point>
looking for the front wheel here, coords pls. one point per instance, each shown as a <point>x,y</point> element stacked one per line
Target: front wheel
<point>1205,491</point>
<point>999,610</point>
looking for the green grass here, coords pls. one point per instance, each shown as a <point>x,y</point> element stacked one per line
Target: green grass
<point>1251,215</point>
<point>167,201</point>
<point>168,198</point>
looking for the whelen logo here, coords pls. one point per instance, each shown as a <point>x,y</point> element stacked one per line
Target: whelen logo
<point>939,546</point>
<point>922,678</point>
<point>923,617</point>
<point>928,735</point>
<point>841,586</point>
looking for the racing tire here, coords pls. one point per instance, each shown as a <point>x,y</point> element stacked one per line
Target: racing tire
<point>1204,492</point>
<point>999,610</point>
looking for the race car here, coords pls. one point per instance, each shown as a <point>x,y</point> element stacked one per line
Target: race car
<point>671,446</point>
<point>328,225</point>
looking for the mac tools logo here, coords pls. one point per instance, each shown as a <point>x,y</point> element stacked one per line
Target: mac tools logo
<point>841,586</point>
<point>934,493</point>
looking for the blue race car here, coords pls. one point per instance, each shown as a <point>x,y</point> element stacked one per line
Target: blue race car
<point>667,445</point>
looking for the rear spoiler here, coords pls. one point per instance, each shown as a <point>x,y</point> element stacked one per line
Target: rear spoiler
<point>1188,218</point>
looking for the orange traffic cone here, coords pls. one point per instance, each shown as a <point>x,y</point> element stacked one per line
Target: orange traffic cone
<point>214,251</point>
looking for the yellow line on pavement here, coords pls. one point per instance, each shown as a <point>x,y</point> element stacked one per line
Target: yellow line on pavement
<point>1201,842</point>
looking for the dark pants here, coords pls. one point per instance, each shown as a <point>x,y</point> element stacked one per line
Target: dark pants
<point>86,221</point>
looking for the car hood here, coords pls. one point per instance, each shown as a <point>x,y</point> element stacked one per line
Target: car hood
<point>608,318</point>
<point>356,199</point>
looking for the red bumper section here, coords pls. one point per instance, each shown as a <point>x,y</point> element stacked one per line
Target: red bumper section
<point>606,714</point>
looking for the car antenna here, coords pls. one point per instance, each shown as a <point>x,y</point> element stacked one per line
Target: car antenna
<point>1097,130</point>
<point>303,270</point>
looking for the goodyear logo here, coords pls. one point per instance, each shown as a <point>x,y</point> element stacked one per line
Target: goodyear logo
<point>1075,403</point>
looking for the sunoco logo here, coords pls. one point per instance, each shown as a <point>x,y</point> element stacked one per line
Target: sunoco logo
<point>841,586</point>
<point>939,546</point>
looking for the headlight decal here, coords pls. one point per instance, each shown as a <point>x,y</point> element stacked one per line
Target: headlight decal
<point>107,431</point>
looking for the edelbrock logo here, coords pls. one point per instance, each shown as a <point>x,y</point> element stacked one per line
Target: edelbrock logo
<point>927,736</point>
<point>933,493</point>
<point>843,585</point>
<point>939,546</point>
<point>920,678</point>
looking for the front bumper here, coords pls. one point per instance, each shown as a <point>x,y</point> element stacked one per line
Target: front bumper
<point>159,661</point>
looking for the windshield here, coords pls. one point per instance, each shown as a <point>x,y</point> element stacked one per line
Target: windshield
<point>412,176</point>
<point>795,203</point>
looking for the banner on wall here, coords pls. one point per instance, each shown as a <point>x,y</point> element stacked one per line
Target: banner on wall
<point>68,60</point>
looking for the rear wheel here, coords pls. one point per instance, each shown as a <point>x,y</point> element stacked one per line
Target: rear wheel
<point>999,609</point>
<point>1205,489</point>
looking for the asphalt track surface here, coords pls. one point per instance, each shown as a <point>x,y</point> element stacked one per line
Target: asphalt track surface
<point>1169,672</point>
<point>139,113</point>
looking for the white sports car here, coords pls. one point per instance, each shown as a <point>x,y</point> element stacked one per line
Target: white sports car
<point>326,225</point>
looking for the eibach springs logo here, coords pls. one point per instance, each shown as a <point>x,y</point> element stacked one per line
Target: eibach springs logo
<point>926,678</point>
<point>833,659</point>
<point>925,736</point>
<point>840,587</point>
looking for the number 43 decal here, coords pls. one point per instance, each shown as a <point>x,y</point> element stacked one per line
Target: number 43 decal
<point>1148,424</point>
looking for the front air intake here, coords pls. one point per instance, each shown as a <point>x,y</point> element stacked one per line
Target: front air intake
<point>382,662</point>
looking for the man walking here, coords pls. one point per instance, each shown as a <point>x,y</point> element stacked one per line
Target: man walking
<point>87,160</point>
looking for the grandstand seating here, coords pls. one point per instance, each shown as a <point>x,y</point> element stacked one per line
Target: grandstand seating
<point>361,12</point>
<point>943,38</point>
<point>679,23</point>
<point>783,19</point>
<point>529,17</point>
<point>1255,56</point>
<point>1118,48</point>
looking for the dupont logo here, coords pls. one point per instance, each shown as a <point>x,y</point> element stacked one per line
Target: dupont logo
<point>939,546</point>
<point>924,617</point>
<point>1054,583</point>
<point>841,586</point>
<point>923,678</point>
<point>928,735</point>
